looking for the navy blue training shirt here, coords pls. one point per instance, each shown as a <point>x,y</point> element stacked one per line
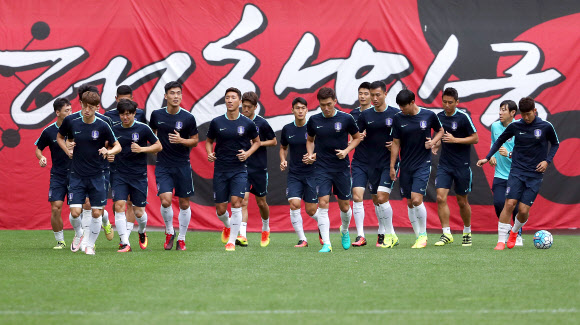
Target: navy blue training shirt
<point>60,160</point>
<point>460,126</point>
<point>531,145</point>
<point>331,133</point>
<point>361,153</point>
<point>230,137</point>
<point>259,159</point>
<point>131,164</point>
<point>378,126</point>
<point>173,154</point>
<point>116,119</point>
<point>89,138</point>
<point>294,138</point>
<point>413,131</point>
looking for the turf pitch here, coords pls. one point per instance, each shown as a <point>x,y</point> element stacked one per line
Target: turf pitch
<point>287,285</point>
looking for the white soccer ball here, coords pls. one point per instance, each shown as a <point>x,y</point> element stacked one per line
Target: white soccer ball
<point>543,239</point>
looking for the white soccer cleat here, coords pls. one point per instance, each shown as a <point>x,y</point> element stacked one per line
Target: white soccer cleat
<point>519,241</point>
<point>89,250</point>
<point>76,243</point>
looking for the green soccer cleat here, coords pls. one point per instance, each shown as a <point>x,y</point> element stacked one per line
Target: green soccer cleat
<point>390,241</point>
<point>444,240</point>
<point>345,239</point>
<point>60,245</point>
<point>109,232</point>
<point>421,242</point>
<point>466,240</point>
<point>326,248</point>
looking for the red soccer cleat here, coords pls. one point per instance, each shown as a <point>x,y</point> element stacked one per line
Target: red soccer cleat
<point>180,245</point>
<point>230,247</point>
<point>225,235</point>
<point>169,242</point>
<point>500,246</point>
<point>301,243</point>
<point>511,242</point>
<point>124,249</point>
<point>360,241</point>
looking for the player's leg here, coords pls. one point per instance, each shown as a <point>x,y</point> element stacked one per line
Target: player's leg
<point>530,191</point>
<point>165,187</point>
<point>242,238</point>
<point>138,191</point>
<point>405,185</point>
<point>76,198</point>
<point>260,190</point>
<point>130,215</point>
<point>514,192</point>
<point>498,189</point>
<point>342,183</point>
<point>237,193</point>
<point>106,224</point>
<point>56,223</point>
<point>324,188</point>
<point>359,182</point>
<point>294,194</point>
<point>221,194</point>
<point>386,211</point>
<point>183,180</point>
<point>120,223</point>
<point>462,178</point>
<point>443,182</point>
<point>420,179</point>
<point>97,192</point>
<point>141,217</point>
<point>86,217</point>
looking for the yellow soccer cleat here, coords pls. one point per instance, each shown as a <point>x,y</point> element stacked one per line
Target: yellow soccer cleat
<point>265,238</point>
<point>109,232</point>
<point>421,242</point>
<point>444,240</point>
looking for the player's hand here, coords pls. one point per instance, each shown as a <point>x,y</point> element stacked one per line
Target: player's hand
<point>211,157</point>
<point>363,135</point>
<point>70,145</point>
<point>428,143</point>
<point>389,144</point>
<point>341,154</point>
<point>309,159</point>
<point>283,165</point>
<point>481,162</point>
<point>541,167</point>
<point>503,151</point>
<point>104,152</point>
<point>175,137</point>
<point>110,158</point>
<point>42,161</point>
<point>243,155</point>
<point>493,161</point>
<point>136,148</point>
<point>448,137</point>
<point>393,174</point>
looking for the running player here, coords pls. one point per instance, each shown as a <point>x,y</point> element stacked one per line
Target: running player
<point>359,167</point>
<point>376,123</point>
<point>176,128</point>
<point>60,168</point>
<point>460,134</point>
<point>301,183</point>
<point>530,160</point>
<point>124,92</point>
<point>257,171</point>
<point>412,136</point>
<point>87,176</point>
<point>328,133</point>
<point>502,160</point>
<point>232,133</point>
<point>131,175</point>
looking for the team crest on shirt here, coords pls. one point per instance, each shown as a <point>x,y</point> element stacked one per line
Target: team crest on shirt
<point>306,136</point>
<point>70,196</point>
<point>389,121</point>
<point>258,129</point>
<point>95,134</point>
<point>135,136</point>
<point>507,191</point>
<point>178,125</point>
<point>537,133</point>
<point>337,126</point>
<point>241,130</point>
<point>453,126</point>
<point>423,124</point>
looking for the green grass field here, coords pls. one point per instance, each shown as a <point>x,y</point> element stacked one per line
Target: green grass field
<point>284,285</point>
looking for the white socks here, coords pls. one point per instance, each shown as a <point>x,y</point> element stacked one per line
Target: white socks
<point>345,218</point>
<point>105,217</point>
<point>77,225</point>
<point>466,230</point>
<point>296,219</point>
<point>387,215</point>
<point>225,218</point>
<point>235,223</point>
<point>315,216</point>
<point>502,232</point>
<point>447,230</point>
<point>130,226</point>
<point>358,211</point>
<point>266,224</point>
<point>244,229</point>
<point>142,222</point>
<point>517,225</point>
<point>59,235</point>
<point>167,214</point>
<point>379,214</point>
<point>95,229</point>
<point>324,225</point>
<point>184,218</point>
<point>414,221</point>
<point>86,216</point>
<point>121,225</point>
<point>421,214</point>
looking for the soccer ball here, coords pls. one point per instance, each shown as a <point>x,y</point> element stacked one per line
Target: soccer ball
<point>543,239</point>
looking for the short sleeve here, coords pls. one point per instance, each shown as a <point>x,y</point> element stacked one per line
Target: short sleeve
<point>153,121</point>
<point>110,135</point>
<point>252,131</point>
<point>395,131</point>
<point>268,132</point>
<point>193,127</point>
<point>150,136</point>
<point>352,128</point>
<point>141,116</point>
<point>42,141</point>
<point>211,132</point>
<point>362,123</point>
<point>310,128</point>
<point>283,140</point>
<point>435,123</point>
<point>64,128</point>
<point>469,125</point>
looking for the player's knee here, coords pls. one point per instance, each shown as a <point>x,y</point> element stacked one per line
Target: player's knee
<point>245,203</point>
<point>165,203</point>
<point>183,205</point>
<point>294,204</point>
<point>119,206</point>
<point>97,213</point>
<point>139,213</point>
<point>441,199</point>
<point>416,201</point>
<point>56,209</point>
<point>220,210</point>
<point>462,202</point>
<point>262,203</point>
<point>311,211</point>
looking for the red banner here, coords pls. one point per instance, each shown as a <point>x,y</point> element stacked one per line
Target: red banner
<point>281,50</point>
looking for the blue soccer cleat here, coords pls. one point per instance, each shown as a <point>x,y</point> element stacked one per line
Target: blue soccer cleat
<point>326,248</point>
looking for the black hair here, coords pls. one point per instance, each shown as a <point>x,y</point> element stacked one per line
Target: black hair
<point>512,106</point>
<point>124,90</point>
<point>325,93</point>
<point>234,90</point>
<point>86,87</point>
<point>378,84</point>
<point>299,100</point>
<point>451,92</point>
<point>126,105</point>
<point>59,103</point>
<point>527,104</point>
<point>365,85</point>
<point>251,97</point>
<point>172,84</point>
<point>405,97</point>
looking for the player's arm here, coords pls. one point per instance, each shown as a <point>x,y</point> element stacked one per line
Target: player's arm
<point>356,139</point>
<point>190,142</point>
<point>271,136</point>
<point>62,144</point>
<point>394,155</point>
<point>209,150</point>
<point>430,143</point>
<point>244,155</point>
<point>269,143</point>
<point>471,139</point>
<point>554,145</point>
<point>508,133</point>
<point>41,157</point>
<point>154,148</point>
<point>283,155</point>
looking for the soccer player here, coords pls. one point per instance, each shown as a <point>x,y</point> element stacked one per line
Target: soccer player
<point>257,171</point>
<point>124,92</point>
<point>301,183</point>
<point>376,123</point>
<point>460,134</point>
<point>176,128</point>
<point>232,132</point>
<point>131,171</point>
<point>87,175</point>
<point>359,167</point>
<point>412,136</point>
<point>530,160</point>
<point>60,168</point>
<point>328,134</point>
<point>502,160</point>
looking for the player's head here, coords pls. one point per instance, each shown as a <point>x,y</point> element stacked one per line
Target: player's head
<point>364,94</point>
<point>124,91</point>
<point>299,108</point>
<point>233,99</point>
<point>378,91</point>
<point>90,103</point>
<point>249,103</point>
<point>173,94</point>
<point>406,100</point>
<point>507,110</point>
<point>62,107</point>
<point>326,99</point>
<point>527,107</point>
<point>84,88</point>
<point>127,110</point>
<point>450,99</point>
